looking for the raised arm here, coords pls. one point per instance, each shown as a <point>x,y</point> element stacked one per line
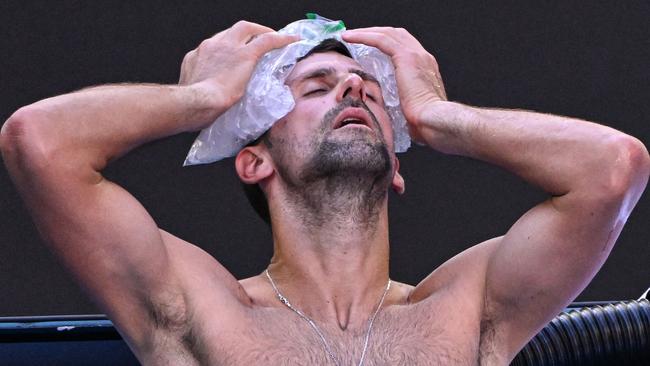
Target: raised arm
<point>55,150</point>
<point>594,174</point>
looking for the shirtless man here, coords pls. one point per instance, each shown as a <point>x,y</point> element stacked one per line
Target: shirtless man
<point>326,186</point>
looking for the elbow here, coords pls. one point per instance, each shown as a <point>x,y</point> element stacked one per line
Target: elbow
<point>12,133</point>
<point>626,171</point>
<point>20,137</point>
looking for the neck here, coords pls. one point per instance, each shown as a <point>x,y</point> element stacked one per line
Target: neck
<point>346,203</point>
<point>334,270</point>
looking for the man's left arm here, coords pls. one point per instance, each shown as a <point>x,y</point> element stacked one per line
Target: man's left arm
<point>594,174</point>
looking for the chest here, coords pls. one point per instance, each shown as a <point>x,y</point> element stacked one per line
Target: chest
<point>404,335</point>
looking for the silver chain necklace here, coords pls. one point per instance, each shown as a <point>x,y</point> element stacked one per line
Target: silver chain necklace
<point>286,302</point>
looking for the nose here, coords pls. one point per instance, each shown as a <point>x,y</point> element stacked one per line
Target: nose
<point>352,86</point>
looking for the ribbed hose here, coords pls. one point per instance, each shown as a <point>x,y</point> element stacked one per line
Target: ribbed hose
<point>616,334</point>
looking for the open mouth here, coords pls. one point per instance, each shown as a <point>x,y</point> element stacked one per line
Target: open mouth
<point>356,117</point>
<point>352,121</point>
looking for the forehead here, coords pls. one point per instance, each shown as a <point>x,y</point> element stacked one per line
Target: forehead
<point>316,61</point>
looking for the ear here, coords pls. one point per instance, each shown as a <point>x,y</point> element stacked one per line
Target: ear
<point>398,181</point>
<point>253,164</point>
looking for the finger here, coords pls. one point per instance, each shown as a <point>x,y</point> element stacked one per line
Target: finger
<point>370,29</point>
<point>244,31</point>
<point>388,31</point>
<point>265,42</point>
<point>399,34</point>
<point>384,42</point>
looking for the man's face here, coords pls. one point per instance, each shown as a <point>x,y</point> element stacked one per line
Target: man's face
<point>339,122</point>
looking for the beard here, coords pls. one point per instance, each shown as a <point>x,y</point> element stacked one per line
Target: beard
<point>353,155</point>
<point>345,172</point>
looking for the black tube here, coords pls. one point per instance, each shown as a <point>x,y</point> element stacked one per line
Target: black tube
<point>614,334</point>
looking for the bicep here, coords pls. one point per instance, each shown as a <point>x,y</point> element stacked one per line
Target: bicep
<point>145,279</point>
<point>113,248</point>
<point>102,234</point>
<point>543,262</point>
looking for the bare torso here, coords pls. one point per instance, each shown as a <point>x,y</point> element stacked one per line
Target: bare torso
<point>444,329</point>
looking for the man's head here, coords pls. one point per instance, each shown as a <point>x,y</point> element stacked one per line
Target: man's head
<point>338,136</point>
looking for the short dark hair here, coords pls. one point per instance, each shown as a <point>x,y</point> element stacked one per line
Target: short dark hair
<point>328,45</point>
<point>253,192</point>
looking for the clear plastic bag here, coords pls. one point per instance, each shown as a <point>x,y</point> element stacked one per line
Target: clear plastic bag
<point>267,98</point>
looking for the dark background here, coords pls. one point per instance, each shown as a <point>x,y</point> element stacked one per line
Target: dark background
<point>586,61</point>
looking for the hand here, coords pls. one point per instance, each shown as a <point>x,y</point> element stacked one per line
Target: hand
<point>418,79</point>
<point>224,63</point>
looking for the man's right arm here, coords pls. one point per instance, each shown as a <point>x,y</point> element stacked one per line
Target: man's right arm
<point>55,151</point>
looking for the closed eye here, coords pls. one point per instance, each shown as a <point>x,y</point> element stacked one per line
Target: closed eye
<point>315,91</point>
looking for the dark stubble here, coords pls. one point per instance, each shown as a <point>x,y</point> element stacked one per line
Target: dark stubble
<point>345,174</point>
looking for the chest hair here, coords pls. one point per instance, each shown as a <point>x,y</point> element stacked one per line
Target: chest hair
<point>402,335</point>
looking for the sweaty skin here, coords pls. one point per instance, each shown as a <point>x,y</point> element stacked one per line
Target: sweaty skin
<point>326,185</point>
